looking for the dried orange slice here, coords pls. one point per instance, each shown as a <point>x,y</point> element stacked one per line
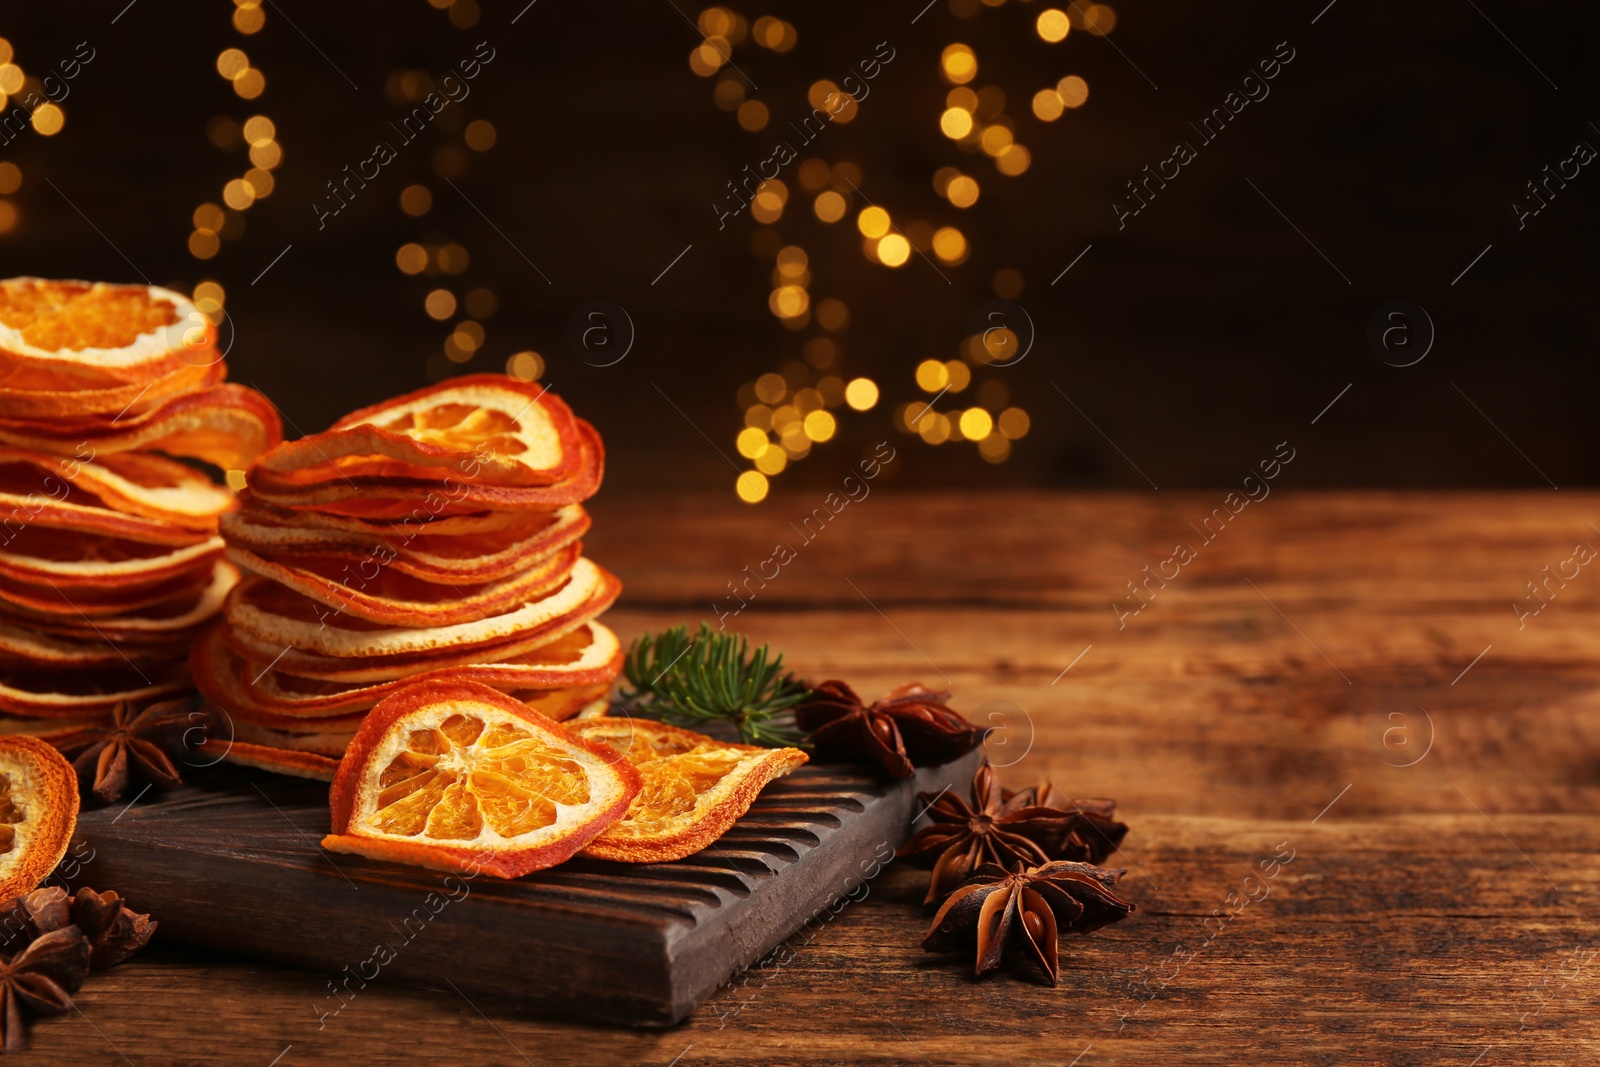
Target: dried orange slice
<point>70,561</point>
<point>485,428</point>
<point>450,493</point>
<point>156,624</point>
<point>38,812</point>
<point>133,484</point>
<point>85,334</point>
<point>21,397</point>
<point>442,775</point>
<point>52,693</point>
<point>505,546</point>
<point>558,680</point>
<point>278,618</point>
<point>227,426</point>
<point>372,590</point>
<point>693,787</point>
<point>290,761</point>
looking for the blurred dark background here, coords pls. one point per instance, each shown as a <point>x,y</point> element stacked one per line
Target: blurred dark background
<point>1177,351</point>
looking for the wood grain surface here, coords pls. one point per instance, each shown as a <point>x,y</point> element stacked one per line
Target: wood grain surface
<point>1339,678</point>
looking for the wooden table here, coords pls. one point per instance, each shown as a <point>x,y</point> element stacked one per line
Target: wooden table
<point>1337,675</point>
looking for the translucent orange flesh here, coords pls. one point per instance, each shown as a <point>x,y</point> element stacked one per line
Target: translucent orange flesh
<point>453,779</point>
<point>10,815</point>
<point>461,427</point>
<point>674,771</point>
<point>66,317</point>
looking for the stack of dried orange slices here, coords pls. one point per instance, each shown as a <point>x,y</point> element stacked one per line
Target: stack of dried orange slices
<point>434,537</point>
<point>110,563</point>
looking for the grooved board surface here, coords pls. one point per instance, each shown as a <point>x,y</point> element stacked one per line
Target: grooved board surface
<point>237,865</point>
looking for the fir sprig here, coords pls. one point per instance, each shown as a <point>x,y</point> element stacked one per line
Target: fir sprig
<point>714,677</point>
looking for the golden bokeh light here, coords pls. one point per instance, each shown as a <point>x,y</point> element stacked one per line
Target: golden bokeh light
<point>10,178</point>
<point>830,206</point>
<point>752,487</point>
<point>48,120</point>
<point>861,394</point>
<point>266,156</point>
<point>728,94</point>
<point>962,191</point>
<point>258,129</point>
<point>957,375</point>
<point>772,459</point>
<point>1013,161</point>
<point>1048,105</point>
<point>525,366</point>
<point>480,135</point>
<point>208,217</point>
<point>249,18</point>
<point>230,63</point>
<point>893,250</point>
<point>238,195</point>
<point>1052,25</point>
<point>1013,423</point>
<point>751,442</point>
<point>976,424</point>
<point>955,123</point>
<point>250,84</point>
<point>260,181</point>
<point>771,389</point>
<point>1073,90</point>
<point>932,376</point>
<point>440,304</point>
<point>820,426</point>
<point>412,258</point>
<point>995,139</point>
<point>453,259</point>
<point>203,244</point>
<point>415,200</point>
<point>959,64</point>
<point>789,301</point>
<point>949,245</point>
<point>758,417</point>
<point>8,216</point>
<point>994,448</point>
<point>1099,19</point>
<point>873,222</point>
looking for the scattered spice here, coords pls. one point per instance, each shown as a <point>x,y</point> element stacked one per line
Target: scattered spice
<point>41,979</point>
<point>52,940</point>
<point>911,727</point>
<point>1022,911</point>
<point>1000,827</point>
<point>133,745</point>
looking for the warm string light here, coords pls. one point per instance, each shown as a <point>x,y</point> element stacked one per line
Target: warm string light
<point>215,222</point>
<point>46,119</point>
<point>787,413</point>
<point>444,261</point>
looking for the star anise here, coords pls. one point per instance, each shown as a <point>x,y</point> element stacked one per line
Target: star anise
<point>911,727</point>
<point>133,745</point>
<point>112,930</point>
<point>42,979</point>
<point>1025,909</point>
<point>1003,828</point>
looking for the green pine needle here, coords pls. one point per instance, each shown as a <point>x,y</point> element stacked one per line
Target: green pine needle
<point>714,677</point>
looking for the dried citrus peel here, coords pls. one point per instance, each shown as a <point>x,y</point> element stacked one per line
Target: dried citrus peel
<point>38,812</point>
<point>693,787</point>
<point>444,775</point>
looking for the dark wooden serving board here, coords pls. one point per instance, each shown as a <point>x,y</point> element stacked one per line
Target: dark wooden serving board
<point>237,868</point>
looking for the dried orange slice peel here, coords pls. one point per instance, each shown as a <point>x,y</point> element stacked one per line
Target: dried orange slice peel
<point>693,787</point>
<point>447,775</point>
<point>38,812</point>
<point>227,426</point>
